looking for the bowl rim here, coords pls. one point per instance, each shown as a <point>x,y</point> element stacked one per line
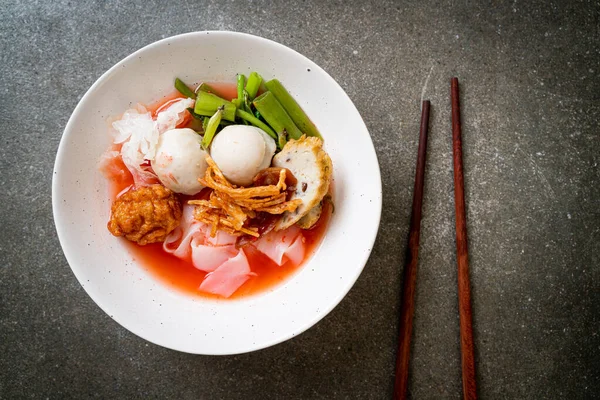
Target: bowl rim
<point>61,227</point>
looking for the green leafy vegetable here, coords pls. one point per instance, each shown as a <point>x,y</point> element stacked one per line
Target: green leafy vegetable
<point>193,114</point>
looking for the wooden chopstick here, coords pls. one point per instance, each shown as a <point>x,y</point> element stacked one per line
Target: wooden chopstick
<point>410,270</point>
<point>462,257</point>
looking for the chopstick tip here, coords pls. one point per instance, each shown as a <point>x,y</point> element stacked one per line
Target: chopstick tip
<point>425,104</point>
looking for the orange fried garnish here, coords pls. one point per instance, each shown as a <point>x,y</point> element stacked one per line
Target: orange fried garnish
<point>230,207</point>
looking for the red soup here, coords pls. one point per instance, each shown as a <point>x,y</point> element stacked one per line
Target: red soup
<point>181,274</point>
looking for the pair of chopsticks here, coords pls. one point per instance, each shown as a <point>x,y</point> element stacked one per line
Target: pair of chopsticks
<point>410,270</point>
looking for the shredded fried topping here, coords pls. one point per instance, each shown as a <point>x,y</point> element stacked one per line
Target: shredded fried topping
<point>231,208</point>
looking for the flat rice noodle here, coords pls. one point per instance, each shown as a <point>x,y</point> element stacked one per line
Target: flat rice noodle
<point>143,176</point>
<point>179,241</point>
<point>182,240</point>
<point>280,246</point>
<point>228,278</point>
<point>221,238</point>
<point>191,241</point>
<point>209,258</point>
<point>295,253</point>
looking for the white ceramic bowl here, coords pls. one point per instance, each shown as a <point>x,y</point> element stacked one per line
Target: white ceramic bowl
<point>129,293</point>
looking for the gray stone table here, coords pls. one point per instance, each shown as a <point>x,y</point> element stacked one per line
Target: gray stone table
<point>531,106</point>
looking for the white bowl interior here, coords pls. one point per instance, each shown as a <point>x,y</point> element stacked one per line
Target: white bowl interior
<point>129,293</point>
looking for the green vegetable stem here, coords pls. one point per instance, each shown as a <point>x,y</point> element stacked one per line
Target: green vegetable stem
<point>246,116</point>
<point>193,114</point>
<point>292,108</point>
<point>205,87</point>
<point>247,104</point>
<point>184,89</point>
<point>275,115</point>
<point>211,127</point>
<point>254,81</point>
<point>241,82</point>
<point>208,103</point>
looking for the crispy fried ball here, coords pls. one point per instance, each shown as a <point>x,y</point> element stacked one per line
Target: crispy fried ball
<point>145,215</point>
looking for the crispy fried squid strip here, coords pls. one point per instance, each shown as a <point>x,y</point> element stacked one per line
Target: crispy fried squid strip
<point>229,208</point>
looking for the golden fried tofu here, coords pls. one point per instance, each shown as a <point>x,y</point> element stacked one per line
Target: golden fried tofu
<point>311,166</point>
<point>145,215</point>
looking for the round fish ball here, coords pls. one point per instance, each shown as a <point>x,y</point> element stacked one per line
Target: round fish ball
<point>180,161</point>
<point>241,151</point>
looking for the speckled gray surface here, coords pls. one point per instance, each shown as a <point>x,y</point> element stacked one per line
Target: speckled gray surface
<point>531,107</point>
